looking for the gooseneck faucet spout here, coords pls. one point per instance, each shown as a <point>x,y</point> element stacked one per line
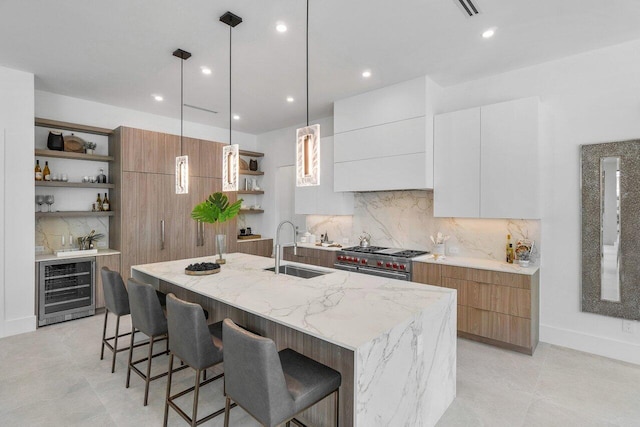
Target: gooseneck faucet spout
<point>295,245</point>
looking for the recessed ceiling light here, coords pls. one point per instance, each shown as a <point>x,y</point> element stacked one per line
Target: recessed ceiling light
<point>289,98</point>
<point>489,33</point>
<point>366,74</point>
<point>236,117</point>
<point>281,27</point>
<point>206,70</point>
<point>157,97</point>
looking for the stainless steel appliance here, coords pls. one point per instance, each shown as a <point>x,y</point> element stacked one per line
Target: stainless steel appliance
<point>386,262</point>
<point>66,290</point>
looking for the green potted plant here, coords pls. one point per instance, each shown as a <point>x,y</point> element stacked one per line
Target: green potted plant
<point>216,210</point>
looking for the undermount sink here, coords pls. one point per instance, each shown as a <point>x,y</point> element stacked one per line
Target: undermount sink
<point>305,273</point>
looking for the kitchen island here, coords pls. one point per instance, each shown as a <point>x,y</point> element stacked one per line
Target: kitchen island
<point>394,342</point>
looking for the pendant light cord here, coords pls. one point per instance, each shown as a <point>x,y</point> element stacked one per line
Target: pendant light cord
<point>181,101</point>
<point>230,117</point>
<point>307,62</point>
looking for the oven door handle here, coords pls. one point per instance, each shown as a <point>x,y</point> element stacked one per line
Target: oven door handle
<point>384,273</point>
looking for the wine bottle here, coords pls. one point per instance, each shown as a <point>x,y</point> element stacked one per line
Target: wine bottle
<point>98,203</point>
<point>38,171</point>
<point>46,173</point>
<point>508,249</point>
<point>105,203</point>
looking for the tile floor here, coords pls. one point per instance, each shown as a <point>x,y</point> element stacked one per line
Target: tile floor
<point>54,377</point>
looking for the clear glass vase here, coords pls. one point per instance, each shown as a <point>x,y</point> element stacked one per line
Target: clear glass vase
<point>221,245</point>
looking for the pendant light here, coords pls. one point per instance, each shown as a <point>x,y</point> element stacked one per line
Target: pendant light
<point>231,152</point>
<point>182,162</point>
<point>308,141</point>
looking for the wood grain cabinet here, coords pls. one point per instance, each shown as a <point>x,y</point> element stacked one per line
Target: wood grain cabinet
<point>493,307</point>
<point>152,223</point>
<point>256,247</point>
<point>319,257</point>
<point>112,262</point>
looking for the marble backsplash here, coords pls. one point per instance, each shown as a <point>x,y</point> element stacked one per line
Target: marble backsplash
<point>405,219</point>
<point>49,231</point>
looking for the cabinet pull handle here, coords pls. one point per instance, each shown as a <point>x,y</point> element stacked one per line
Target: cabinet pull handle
<point>162,234</point>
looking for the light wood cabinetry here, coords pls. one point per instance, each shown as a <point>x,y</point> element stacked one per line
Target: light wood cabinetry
<point>112,262</point>
<point>322,199</point>
<point>319,257</point>
<point>256,247</point>
<point>484,158</point>
<point>493,307</point>
<point>153,223</point>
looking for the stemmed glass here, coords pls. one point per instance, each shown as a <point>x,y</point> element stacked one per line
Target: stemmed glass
<point>49,200</point>
<point>39,201</point>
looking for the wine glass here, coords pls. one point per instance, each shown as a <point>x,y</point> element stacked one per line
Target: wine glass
<point>39,201</point>
<point>49,200</point>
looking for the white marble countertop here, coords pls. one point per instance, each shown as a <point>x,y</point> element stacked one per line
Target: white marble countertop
<point>347,309</point>
<point>314,246</point>
<point>479,263</point>
<point>50,257</point>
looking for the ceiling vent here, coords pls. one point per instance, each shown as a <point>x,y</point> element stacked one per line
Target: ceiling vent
<point>468,7</point>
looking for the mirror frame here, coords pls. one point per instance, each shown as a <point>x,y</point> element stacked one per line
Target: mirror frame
<point>629,153</point>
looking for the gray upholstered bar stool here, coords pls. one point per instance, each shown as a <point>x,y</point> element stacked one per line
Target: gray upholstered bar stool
<point>273,387</point>
<point>146,317</point>
<point>198,345</point>
<point>116,301</point>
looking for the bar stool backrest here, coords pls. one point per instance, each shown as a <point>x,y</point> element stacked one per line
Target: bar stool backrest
<point>116,298</point>
<point>189,336</point>
<point>146,311</point>
<point>253,374</point>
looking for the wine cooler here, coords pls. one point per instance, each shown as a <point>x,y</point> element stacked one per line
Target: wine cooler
<point>66,290</point>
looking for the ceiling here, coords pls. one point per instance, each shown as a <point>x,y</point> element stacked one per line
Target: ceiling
<point>119,52</point>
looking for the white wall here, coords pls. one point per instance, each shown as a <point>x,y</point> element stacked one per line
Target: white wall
<point>17,280</point>
<point>590,98</point>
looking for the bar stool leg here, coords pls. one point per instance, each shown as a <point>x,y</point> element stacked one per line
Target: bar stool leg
<point>337,397</point>
<point>166,401</point>
<point>133,333</point>
<point>194,416</point>
<point>148,379</point>
<point>226,412</point>
<point>104,333</point>
<point>115,345</point>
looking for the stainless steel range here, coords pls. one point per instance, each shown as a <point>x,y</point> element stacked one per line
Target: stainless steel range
<point>386,262</point>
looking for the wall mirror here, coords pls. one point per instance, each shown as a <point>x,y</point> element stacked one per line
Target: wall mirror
<point>610,188</point>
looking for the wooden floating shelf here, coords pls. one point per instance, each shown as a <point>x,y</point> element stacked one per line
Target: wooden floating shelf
<point>55,124</point>
<point>250,153</point>
<point>74,156</point>
<point>73,184</point>
<point>248,172</point>
<point>250,192</point>
<point>251,211</point>
<point>72,214</point>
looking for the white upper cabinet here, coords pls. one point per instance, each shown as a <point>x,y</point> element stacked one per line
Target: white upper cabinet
<point>321,199</point>
<point>486,161</point>
<point>384,139</point>
<point>456,187</point>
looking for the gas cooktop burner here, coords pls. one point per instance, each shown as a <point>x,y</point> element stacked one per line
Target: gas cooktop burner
<point>378,250</point>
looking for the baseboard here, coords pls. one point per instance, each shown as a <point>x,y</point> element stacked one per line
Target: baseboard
<point>18,326</point>
<point>614,349</point>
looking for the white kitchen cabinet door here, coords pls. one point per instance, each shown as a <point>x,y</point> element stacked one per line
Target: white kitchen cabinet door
<point>401,101</point>
<point>403,172</point>
<point>456,186</point>
<point>322,199</point>
<point>509,160</point>
<point>390,139</point>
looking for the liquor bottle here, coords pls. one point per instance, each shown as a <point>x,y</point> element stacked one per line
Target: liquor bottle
<point>509,249</point>
<point>102,178</point>
<point>38,171</point>
<point>46,174</point>
<point>98,203</point>
<point>105,203</point>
